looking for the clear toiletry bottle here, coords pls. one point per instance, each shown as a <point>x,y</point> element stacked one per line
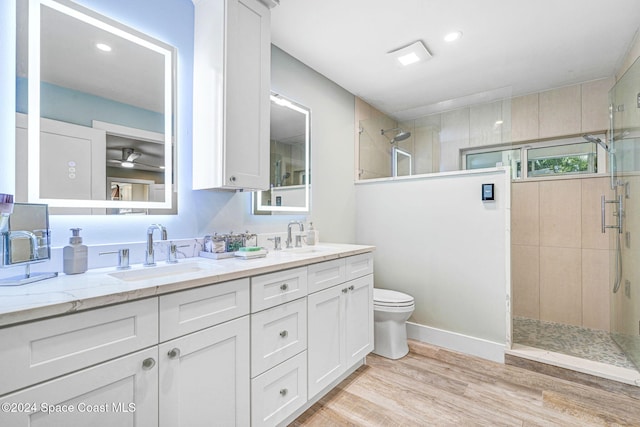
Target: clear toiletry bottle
<point>311,235</point>
<point>75,256</point>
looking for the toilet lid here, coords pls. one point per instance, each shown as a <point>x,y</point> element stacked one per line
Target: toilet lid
<point>389,297</point>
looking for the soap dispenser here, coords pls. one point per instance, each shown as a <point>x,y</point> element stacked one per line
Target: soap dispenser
<point>75,255</point>
<point>311,235</point>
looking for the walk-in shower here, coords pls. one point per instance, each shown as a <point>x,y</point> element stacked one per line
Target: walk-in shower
<point>599,266</point>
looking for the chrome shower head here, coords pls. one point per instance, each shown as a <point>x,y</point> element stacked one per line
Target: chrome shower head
<point>401,135</point>
<point>591,138</point>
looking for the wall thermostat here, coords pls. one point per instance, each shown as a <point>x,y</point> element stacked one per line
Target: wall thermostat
<point>487,193</point>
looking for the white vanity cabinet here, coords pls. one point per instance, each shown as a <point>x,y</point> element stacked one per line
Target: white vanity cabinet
<point>204,362</point>
<point>121,392</point>
<point>340,319</point>
<point>256,351</point>
<point>231,89</point>
<point>278,345</point>
<point>204,377</point>
<point>93,384</point>
<point>45,349</point>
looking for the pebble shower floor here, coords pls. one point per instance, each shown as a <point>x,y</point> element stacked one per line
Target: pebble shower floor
<point>577,341</point>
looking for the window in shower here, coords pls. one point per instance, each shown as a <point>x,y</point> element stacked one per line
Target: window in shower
<point>491,159</point>
<point>568,156</point>
<point>566,159</point>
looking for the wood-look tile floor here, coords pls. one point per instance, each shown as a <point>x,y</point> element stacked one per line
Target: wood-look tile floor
<point>438,387</point>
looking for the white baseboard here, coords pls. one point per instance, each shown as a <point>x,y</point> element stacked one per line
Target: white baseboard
<point>453,341</point>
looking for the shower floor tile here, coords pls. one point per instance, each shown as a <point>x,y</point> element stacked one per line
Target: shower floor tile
<point>575,341</point>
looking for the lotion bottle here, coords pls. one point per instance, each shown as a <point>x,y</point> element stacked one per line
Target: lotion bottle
<point>75,256</point>
<point>311,235</point>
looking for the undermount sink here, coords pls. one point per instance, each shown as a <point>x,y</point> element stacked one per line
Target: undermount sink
<point>147,273</point>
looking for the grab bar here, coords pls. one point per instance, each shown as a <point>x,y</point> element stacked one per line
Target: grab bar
<point>603,202</point>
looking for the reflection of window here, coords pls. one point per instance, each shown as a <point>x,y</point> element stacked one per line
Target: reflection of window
<point>544,159</point>
<point>491,159</point>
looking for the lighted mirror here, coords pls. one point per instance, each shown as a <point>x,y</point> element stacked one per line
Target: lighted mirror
<point>95,112</point>
<point>289,159</point>
<point>402,164</point>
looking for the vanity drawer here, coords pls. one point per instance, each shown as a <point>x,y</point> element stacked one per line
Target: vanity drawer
<point>277,288</point>
<point>326,274</point>
<point>279,392</point>
<point>359,265</point>
<point>44,349</point>
<point>277,334</point>
<point>188,311</point>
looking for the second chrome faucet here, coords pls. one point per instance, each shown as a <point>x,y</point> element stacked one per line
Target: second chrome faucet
<point>149,256</point>
<point>289,239</point>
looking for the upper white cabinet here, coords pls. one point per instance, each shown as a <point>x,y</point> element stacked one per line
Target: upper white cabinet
<point>231,88</point>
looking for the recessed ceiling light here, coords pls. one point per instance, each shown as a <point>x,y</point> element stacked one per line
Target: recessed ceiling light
<point>409,58</point>
<point>126,164</point>
<point>411,54</point>
<point>453,36</point>
<point>103,47</point>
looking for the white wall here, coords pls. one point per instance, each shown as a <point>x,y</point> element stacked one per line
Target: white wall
<point>437,241</point>
<point>332,156</point>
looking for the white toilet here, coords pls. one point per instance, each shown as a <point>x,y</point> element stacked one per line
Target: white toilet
<point>391,309</point>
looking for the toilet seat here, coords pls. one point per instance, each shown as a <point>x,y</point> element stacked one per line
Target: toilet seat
<point>389,298</point>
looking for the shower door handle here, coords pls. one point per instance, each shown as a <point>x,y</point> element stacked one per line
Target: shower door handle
<point>602,211</point>
<point>603,202</point>
<point>620,213</point>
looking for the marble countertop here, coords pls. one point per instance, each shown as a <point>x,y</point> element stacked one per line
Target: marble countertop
<point>96,288</point>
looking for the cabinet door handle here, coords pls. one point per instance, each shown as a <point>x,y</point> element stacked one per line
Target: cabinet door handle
<point>351,287</point>
<point>283,392</point>
<point>148,363</point>
<point>174,353</point>
<point>284,334</point>
<point>232,178</point>
<point>344,290</point>
<point>284,287</point>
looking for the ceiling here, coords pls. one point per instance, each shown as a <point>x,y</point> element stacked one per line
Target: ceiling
<point>508,48</point>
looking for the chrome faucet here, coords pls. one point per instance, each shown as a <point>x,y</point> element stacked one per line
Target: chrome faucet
<point>149,258</point>
<point>289,240</point>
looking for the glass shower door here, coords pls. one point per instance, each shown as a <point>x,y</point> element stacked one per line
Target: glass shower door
<point>625,179</point>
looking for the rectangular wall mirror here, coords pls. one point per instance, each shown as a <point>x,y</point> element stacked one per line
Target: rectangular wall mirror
<point>95,107</point>
<point>290,178</point>
<point>401,162</point>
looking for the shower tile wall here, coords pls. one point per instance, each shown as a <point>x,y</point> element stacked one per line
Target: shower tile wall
<point>373,151</point>
<point>560,259</point>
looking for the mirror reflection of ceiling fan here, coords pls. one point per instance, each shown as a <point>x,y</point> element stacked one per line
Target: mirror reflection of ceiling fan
<point>130,159</point>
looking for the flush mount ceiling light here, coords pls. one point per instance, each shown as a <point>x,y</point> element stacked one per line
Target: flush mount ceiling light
<point>103,47</point>
<point>415,52</point>
<point>453,36</point>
